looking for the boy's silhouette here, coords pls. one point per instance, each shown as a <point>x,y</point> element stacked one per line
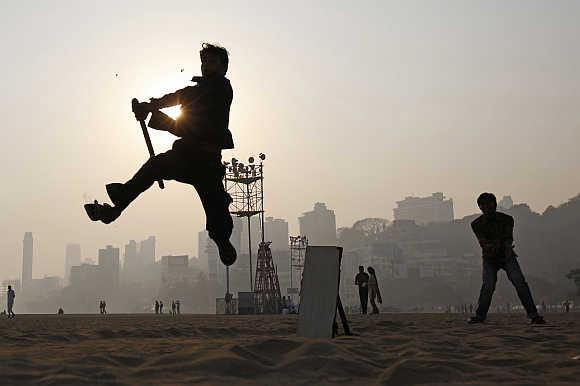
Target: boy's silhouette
<point>362,280</point>
<point>494,231</point>
<point>10,295</point>
<point>195,158</point>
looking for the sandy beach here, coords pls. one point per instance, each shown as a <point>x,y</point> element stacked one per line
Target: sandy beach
<point>391,349</point>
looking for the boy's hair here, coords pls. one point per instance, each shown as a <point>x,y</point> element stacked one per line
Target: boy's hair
<point>222,53</point>
<point>483,197</point>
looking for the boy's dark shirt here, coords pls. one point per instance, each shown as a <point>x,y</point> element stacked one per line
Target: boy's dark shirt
<point>205,111</point>
<point>496,228</point>
<point>360,278</point>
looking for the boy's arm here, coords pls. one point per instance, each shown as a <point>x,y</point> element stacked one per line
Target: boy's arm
<point>168,100</point>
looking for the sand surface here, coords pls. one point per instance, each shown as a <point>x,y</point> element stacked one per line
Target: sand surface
<point>391,349</point>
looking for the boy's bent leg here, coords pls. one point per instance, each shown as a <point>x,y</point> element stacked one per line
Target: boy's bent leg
<point>515,275</point>
<point>489,278</point>
<point>216,202</point>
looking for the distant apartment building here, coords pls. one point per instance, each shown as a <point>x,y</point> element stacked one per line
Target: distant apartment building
<point>425,210</point>
<point>147,251</point>
<point>27,255</point>
<point>109,265</point>
<point>72,257</point>
<point>276,231</point>
<point>319,225</point>
<point>85,276</point>
<point>175,269</point>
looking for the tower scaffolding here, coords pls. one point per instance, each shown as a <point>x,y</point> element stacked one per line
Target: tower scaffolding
<point>245,184</point>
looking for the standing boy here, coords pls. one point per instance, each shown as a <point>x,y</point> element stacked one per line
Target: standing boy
<point>494,231</point>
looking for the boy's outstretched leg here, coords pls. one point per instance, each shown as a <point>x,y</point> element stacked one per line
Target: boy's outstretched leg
<point>161,166</point>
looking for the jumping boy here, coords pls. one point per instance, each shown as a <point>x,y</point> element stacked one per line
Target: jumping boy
<point>195,158</point>
<point>494,231</point>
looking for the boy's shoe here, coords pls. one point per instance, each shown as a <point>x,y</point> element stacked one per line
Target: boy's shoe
<point>227,252</point>
<point>115,192</point>
<point>102,212</point>
<point>475,319</point>
<point>538,320</point>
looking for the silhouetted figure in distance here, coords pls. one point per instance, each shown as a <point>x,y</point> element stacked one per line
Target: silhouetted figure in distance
<point>10,296</point>
<point>160,307</point>
<point>156,307</point>
<point>195,158</point>
<point>362,281</point>
<point>173,308</point>
<point>494,231</point>
<point>178,304</point>
<point>374,292</point>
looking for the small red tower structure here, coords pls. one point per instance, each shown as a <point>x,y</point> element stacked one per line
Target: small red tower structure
<point>267,286</point>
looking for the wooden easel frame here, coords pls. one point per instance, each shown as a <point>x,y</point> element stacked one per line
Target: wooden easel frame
<point>339,307</point>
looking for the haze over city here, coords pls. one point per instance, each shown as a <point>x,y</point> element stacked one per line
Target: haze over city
<point>357,106</point>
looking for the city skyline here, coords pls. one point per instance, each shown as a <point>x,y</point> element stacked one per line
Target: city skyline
<point>147,246</point>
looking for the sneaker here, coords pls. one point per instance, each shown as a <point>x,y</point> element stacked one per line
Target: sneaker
<point>538,320</point>
<point>475,320</point>
<point>102,212</point>
<point>227,252</point>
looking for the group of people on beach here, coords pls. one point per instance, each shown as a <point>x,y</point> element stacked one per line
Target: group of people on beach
<point>175,307</point>
<point>102,307</point>
<point>368,287</point>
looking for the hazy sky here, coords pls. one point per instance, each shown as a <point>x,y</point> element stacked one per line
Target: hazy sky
<point>356,104</point>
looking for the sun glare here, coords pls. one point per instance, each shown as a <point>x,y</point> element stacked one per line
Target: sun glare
<point>173,111</point>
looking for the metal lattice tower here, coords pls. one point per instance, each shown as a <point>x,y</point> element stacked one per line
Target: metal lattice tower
<point>267,292</point>
<point>245,184</point>
<point>298,246</point>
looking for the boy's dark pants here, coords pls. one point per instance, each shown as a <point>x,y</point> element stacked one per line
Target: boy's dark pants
<point>203,170</point>
<point>514,274</point>
<point>363,293</point>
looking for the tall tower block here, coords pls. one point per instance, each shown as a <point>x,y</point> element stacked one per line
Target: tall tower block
<point>27,253</point>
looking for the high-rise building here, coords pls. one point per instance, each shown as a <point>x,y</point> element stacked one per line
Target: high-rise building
<point>109,265</point>
<point>27,254</point>
<point>147,251</point>
<point>425,210</point>
<point>319,225</point>
<point>72,257</point>
<point>276,231</point>
<point>130,258</point>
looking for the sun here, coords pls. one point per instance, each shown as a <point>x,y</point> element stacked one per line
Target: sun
<point>173,111</point>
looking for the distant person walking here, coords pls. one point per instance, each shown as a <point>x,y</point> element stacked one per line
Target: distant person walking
<point>101,307</point>
<point>10,295</point>
<point>160,307</point>
<point>494,231</point>
<point>156,306</point>
<point>362,280</point>
<point>374,292</point>
<point>178,304</point>
<point>104,307</point>
<point>173,308</point>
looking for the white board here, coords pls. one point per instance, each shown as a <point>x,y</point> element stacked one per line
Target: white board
<point>319,291</point>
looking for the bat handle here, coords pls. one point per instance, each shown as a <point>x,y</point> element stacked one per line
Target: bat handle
<point>134,104</point>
